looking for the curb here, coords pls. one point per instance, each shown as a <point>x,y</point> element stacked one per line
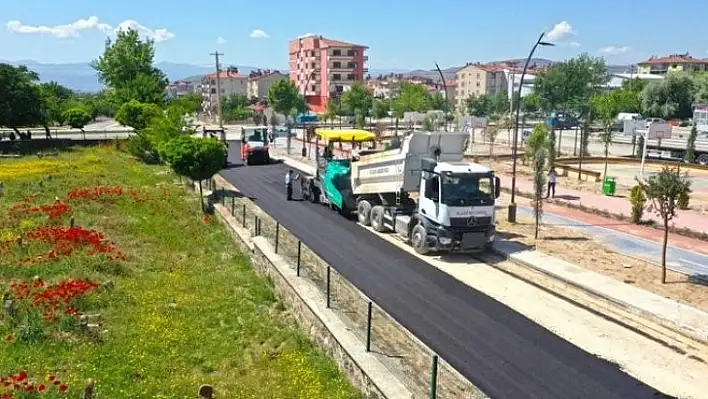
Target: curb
<point>669,324</point>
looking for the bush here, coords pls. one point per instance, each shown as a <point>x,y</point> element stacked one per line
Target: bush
<point>637,199</point>
<point>684,124</point>
<point>141,147</point>
<point>136,114</point>
<point>683,199</point>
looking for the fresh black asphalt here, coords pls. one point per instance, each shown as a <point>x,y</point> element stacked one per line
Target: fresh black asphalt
<point>499,350</point>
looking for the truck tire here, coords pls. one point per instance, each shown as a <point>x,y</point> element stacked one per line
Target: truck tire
<point>703,159</point>
<point>419,240</point>
<point>363,212</point>
<point>377,218</point>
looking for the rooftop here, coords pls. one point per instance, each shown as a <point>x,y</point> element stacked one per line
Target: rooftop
<point>226,75</point>
<point>675,59</point>
<point>324,42</point>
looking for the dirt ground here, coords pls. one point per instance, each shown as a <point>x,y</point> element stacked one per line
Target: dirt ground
<point>581,249</point>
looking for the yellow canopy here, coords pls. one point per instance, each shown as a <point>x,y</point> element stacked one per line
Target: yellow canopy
<point>345,134</point>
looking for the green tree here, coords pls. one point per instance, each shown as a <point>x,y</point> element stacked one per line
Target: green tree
<point>637,199</point>
<point>500,104</point>
<point>438,101</point>
<point>664,190</point>
<point>196,158</point>
<point>190,103</point>
<point>284,97</point>
<point>690,156</point>
<point>380,108</point>
<point>357,99</point>
<point>538,139</point>
<point>20,99</point>
<point>136,114</point>
<point>126,67</point>
<point>77,118</point>
<point>539,183</point>
<point>332,110</point>
<point>670,98</point>
<point>55,100</point>
<point>412,98</point>
<point>700,88</point>
<point>479,105</point>
<point>235,107</point>
<point>606,107</point>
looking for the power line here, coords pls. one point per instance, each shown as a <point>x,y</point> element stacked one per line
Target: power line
<point>218,86</point>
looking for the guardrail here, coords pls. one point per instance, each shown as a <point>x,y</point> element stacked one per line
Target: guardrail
<point>417,366</point>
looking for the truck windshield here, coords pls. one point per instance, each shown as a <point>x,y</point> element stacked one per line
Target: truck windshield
<point>467,190</point>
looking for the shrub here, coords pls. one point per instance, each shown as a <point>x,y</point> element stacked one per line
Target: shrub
<point>683,199</point>
<point>638,199</point>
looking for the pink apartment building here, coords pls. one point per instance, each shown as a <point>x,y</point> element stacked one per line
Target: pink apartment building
<point>323,69</point>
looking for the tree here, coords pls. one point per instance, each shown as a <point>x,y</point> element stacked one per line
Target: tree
<point>190,103</point>
<point>284,97</point>
<point>499,103</point>
<point>235,107</point>
<point>21,100</point>
<point>412,98</point>
<point>490,134</point>
<point>538,140</point>
<point>700,92</point>
<point>637,199</point>
<point>357,99</point>
<point>126,67</point>
<point>606,107</point>
<point>136,114</point>
<point>196,158</point>
<point>664,189</point>
<point>670,98</point>
<point>539,183</point>
<point>479,106</point>
<point>381,108</point>
<point>77,118</point>
<point>55,100</point>
<point>690,156</point>
<point>438,101</point>
<point>332,110</point>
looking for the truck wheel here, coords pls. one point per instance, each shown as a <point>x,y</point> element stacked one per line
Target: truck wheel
<point>419,240</point>
<point>703,159</point>
<point>376,216</point>
<point>363,212</point>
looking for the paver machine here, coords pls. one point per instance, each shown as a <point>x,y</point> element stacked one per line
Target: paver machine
<point>423,191</point>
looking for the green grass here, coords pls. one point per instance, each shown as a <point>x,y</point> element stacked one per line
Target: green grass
<point>184,308</point>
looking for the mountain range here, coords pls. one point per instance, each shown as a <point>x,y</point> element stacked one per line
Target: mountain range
<point>81,77</point>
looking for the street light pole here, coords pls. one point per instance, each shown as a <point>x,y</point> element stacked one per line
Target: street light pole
<point>442,77</point>
<point>511,217</point>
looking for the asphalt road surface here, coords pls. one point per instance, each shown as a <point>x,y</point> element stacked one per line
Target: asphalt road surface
<point>499,350</point>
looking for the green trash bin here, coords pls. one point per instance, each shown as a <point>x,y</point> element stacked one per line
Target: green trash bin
<point>609,185</point>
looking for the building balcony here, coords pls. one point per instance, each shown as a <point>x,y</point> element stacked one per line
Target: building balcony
<point>340,57</point>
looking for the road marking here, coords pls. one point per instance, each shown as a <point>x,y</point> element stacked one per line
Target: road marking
<point>691,262</point>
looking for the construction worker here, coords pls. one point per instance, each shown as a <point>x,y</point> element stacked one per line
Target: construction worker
<point>289,177</point>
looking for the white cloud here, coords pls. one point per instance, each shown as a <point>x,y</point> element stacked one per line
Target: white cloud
<point>562,34</point>
<point>613,50</point>
<point>158,35</point>
<point>73,29</point>
<point>61,31</point>
<point>259,34</point>
<point>220,40</point>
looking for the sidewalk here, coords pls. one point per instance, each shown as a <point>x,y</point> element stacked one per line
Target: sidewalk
<point>684,219</point>
<point>672,314</point>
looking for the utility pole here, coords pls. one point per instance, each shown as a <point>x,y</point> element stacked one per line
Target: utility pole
<point>218,87</point>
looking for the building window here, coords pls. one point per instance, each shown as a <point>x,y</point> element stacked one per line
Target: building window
<point>351,65</point>
<point>477,76</point>
<point>339,89</point>
<point>351,53</point>
<point>312,65</point>
<point>336,52</point>
<point>350,76</point>
<point>337,65</point>
<point>313,88</point>
<point>213,91</point>
<point>478,85</point>
<point>336,76</point>
<point>213,82</point>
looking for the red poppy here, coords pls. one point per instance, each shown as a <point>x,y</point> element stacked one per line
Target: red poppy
<point>51,378</point>
<point>29,388</point>
<point>22,376</point>
<point>9,338</point>
<point>63,388</point>
<point>57,382</point>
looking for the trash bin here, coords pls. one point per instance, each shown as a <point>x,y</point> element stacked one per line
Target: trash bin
<point>609,185</point>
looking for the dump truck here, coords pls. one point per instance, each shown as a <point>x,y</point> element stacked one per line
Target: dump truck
<point>423,191</point>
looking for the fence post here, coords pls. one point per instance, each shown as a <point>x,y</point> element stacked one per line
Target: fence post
<point>299,249</point>
<point>329,273</point>
<point>260,224</point>
<point>368,328</point>
<point>277,236</point>
<point>255,225</point>
<point>223,196</point>
<point>434,378</point>
<point>243,216</point>
<point>233,206</point>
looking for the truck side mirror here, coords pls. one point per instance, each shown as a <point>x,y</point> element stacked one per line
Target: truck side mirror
<point>497,187</point>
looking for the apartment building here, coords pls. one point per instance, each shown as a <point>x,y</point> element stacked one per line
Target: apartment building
<point>323,68</point>
<point>672,63</point>
<point>477,79</point>
<point>231,82</point>
<point>259,82</point>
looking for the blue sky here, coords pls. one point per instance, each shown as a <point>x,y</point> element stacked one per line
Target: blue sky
<point>400,34</point>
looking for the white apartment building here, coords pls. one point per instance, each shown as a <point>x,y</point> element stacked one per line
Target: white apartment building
<point>230,82</point>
